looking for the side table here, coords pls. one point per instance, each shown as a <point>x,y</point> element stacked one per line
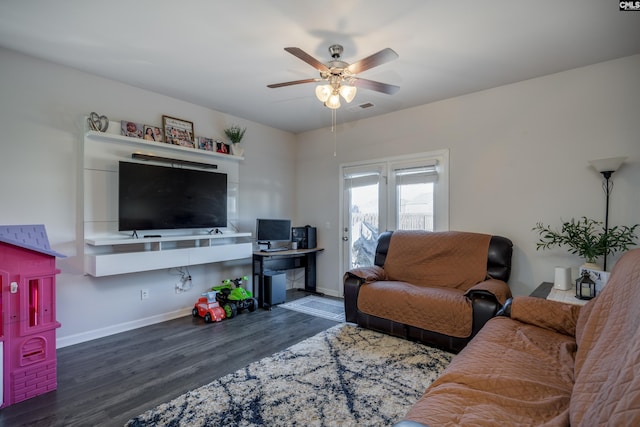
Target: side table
<point>542,291</point>
<point>546,290</point>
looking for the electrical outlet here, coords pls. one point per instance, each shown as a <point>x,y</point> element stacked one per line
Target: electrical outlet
<point>144,293</point>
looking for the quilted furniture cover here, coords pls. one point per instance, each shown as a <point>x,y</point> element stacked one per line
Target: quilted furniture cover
<point>426,279</point>
<point>548,364</point>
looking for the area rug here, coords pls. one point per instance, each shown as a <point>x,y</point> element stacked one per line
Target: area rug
<point>318,306</point>
<point>344,376</point>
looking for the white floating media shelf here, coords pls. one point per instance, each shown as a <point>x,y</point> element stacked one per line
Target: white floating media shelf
<point>128,255</point>
<point>205,239</point>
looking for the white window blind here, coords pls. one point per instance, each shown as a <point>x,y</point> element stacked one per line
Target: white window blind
<point>362,176</point>
<point>416,174</point>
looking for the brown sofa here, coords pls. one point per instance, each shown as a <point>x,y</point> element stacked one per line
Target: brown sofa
<point>547,364</point>
<point>438,288</point>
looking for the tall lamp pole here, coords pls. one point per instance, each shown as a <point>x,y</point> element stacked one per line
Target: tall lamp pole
<point>607,186</point>
<point>607,167</point>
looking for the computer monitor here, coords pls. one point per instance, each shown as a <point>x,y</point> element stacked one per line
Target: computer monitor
<point>273,230</point>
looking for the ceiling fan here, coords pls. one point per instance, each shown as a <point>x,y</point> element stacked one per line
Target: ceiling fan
<point>340,77</point>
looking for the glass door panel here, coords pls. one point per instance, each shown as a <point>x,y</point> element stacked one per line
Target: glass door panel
<point>363,214</point>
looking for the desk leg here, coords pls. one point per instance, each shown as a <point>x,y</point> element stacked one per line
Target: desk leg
<point>310,275</point>
<point>258,272</point>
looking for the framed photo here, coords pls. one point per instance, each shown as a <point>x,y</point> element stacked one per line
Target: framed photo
<point>131,129</point>
<point>153,133</point>
<point>221,147</point>
<point>178,131</point>
<point>206,144</point>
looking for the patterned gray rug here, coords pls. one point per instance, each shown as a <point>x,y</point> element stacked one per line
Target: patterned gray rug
<point>344,376</point>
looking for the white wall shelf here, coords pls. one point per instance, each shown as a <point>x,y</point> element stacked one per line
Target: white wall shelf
<point>112,137</point>
<point>202,239</point>
<point>121,255</point>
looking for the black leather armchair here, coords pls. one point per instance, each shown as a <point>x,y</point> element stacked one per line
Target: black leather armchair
<point>484,302</point>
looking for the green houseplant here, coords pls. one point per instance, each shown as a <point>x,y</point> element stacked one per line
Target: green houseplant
<point>235,134</point>
<point>586,238</point>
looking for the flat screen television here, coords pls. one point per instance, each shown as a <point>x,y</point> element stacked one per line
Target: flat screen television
<point>273,230</point>
<point>160,198</point>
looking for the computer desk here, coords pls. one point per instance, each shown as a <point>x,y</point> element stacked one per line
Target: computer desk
<point>276,262</point>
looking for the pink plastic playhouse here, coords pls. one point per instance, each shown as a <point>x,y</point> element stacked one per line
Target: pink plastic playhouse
<point>28,306</point>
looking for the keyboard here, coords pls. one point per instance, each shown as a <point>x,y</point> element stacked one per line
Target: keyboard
<point>275,249</point>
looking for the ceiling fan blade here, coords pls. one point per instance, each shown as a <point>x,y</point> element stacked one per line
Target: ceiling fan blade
<point>301,54</point>
<point>294,82</point>
<point>377,86</point>
<point>385,55</point>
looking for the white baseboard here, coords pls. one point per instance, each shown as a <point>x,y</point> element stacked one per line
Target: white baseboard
<point>330,292</point>
<point>121,327</point>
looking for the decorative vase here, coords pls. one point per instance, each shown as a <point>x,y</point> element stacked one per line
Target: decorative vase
<point>237,150</point>
<point>590,266</point>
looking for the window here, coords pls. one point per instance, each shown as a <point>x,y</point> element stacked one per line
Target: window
<point>412,185</point>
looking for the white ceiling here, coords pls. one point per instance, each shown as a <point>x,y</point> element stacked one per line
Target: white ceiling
<point>222,54</point>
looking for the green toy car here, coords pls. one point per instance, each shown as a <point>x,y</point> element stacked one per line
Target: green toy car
<point>233,298</point>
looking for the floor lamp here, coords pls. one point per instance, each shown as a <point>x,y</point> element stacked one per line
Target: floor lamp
<point>607,167</point>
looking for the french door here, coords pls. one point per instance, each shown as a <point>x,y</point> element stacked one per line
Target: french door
<point>364,212</point>
<point>394,194</point>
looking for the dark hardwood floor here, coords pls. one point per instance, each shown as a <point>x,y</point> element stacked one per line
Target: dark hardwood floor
<point>107,381</point>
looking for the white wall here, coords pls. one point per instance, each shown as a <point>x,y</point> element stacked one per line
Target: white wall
<point>42,106</point>
<point>518,155</point>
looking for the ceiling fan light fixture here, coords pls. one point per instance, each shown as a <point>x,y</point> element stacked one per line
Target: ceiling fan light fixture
<point>340,77</point>
<point>348,92</point>
<point>334,101</point>
<point>323,92</point>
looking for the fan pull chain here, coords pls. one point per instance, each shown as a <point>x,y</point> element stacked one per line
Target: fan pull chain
<point>334,130</point>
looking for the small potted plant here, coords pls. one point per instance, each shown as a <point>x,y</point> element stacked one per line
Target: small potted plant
<point>587,239</point>
<point>235,134</point>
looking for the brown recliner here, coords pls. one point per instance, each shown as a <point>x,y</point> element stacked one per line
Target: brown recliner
<point>438,288</point>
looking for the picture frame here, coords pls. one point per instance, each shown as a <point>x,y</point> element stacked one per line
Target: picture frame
<point>178,131</point>
<point>131,129</point>
<point>222,148</point>
<point>207,144</point>
<point>153,133</point>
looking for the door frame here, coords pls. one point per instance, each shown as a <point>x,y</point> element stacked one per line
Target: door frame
<point>441,195</point>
